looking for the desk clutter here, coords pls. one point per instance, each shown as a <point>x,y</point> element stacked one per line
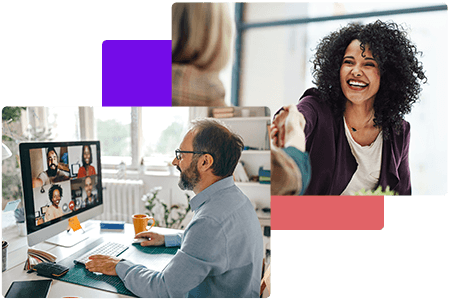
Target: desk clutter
<point>4,255</point>
<point>112,225</point>
<point>36,256</point>
<point>49,269</point>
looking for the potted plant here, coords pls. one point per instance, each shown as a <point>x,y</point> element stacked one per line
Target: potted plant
<point>377,192</point>
<point>165,216</point>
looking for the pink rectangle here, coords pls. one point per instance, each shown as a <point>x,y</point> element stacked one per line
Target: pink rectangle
<point>327,212</point>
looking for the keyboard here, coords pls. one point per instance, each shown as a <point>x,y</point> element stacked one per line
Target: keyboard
<point>105,248</point>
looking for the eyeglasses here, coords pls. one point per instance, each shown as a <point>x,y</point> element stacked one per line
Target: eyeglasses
<point>178,152</point>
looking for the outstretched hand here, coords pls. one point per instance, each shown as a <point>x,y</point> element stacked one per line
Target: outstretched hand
<point>155,239</point>
<point>287,128</point>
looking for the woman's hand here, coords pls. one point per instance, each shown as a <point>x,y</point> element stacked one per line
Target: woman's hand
<point>287,128</point>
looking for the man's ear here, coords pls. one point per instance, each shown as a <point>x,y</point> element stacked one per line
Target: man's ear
<point>205,162</point>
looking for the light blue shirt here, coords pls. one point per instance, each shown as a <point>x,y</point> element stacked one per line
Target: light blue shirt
<point>221,251</point>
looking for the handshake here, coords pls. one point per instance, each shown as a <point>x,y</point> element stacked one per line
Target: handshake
<point>287,129</point>
<point>291,169</point>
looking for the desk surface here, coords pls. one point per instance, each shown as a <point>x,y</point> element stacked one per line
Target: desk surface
<point>17,255</point>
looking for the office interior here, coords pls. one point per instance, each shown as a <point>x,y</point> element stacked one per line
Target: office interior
<point>137,146</point>
<point>274,46</point>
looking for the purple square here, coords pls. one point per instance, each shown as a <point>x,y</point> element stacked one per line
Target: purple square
<point>137,73</point>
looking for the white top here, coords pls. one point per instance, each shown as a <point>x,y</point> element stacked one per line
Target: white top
<point>368,159</point>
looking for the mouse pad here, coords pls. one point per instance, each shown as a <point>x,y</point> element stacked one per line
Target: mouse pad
<point>155,258</point>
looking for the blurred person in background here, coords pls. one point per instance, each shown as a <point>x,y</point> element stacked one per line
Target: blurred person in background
<point>201,45</point>
<point>367,78</point>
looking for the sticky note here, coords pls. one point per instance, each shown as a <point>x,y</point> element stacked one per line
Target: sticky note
<point>74,223</point>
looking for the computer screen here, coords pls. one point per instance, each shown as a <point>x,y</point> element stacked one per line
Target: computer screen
<point>60,180</point>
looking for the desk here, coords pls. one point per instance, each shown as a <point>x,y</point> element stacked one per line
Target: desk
<point>17,256</point>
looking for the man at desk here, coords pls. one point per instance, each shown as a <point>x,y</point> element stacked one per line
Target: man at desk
<point>221,250</point>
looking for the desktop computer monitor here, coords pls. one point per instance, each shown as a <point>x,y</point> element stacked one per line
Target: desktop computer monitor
<point>60,180</point>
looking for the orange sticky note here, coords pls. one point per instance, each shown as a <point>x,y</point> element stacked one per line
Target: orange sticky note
<point>74,223</point>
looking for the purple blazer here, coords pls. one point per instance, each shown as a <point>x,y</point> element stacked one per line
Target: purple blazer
<point>332,161</point>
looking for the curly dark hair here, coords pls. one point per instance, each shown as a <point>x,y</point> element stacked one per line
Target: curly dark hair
<point>52,189</point>
<point>400,70</point>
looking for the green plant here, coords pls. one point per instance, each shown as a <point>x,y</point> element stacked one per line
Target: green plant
<point>377,192</point>
<point>11,179</point>
<point>12,113</point>
<point>165,216</point>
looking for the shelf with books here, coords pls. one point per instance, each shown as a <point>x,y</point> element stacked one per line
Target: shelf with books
<point>253,184</point>
<point>244,119</point>
<point>256,152</point>
<point>254,131</point>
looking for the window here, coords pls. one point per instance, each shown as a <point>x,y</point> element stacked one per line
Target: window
<point>113,129</point>
<point>127,134</point>
<point>163,129</point>
<point>225,74</point>
<point>64,123</point>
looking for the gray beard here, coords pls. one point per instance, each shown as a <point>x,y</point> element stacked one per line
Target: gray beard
<point>187,183</point>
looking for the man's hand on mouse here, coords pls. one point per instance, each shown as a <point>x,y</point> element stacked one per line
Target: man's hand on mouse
<point>154,239</point>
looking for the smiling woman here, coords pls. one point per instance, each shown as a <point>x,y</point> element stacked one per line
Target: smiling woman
<point>367,77</point>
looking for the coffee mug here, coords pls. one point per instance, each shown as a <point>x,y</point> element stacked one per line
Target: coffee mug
<point>140,222</point>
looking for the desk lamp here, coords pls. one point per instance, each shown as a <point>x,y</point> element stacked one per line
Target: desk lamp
<point>6,153</point>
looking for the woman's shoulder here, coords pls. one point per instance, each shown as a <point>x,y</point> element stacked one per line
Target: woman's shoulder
<point>403,130</point>
<point>311,100</point>
<point>311,94</point>
<point>406,127</point>
<point>400,140</point>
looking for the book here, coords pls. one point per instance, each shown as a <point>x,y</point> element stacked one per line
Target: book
<point>221,110</point>
<point>263,172</point>
<point>223,115</point>
<point>264,178</point>
<point>29,289</point>
<point>36,256</point>
<point>240,175</point>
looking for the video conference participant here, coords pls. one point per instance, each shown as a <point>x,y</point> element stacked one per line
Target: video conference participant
<point>91,198</point>
<point>54,210</point>
<point>52,174</point>
<point>87,169</point>
<point>221,250</point>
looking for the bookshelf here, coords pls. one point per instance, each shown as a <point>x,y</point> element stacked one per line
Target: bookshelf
<point>251,123</point>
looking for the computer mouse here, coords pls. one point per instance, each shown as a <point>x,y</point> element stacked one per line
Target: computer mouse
<point>139,240</point>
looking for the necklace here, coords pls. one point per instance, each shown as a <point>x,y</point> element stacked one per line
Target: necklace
<point>368,120</point>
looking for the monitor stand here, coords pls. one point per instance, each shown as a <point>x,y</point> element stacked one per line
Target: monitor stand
<point>68,238</point>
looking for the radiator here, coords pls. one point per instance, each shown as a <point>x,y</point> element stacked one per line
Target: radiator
<point>122,199</point>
